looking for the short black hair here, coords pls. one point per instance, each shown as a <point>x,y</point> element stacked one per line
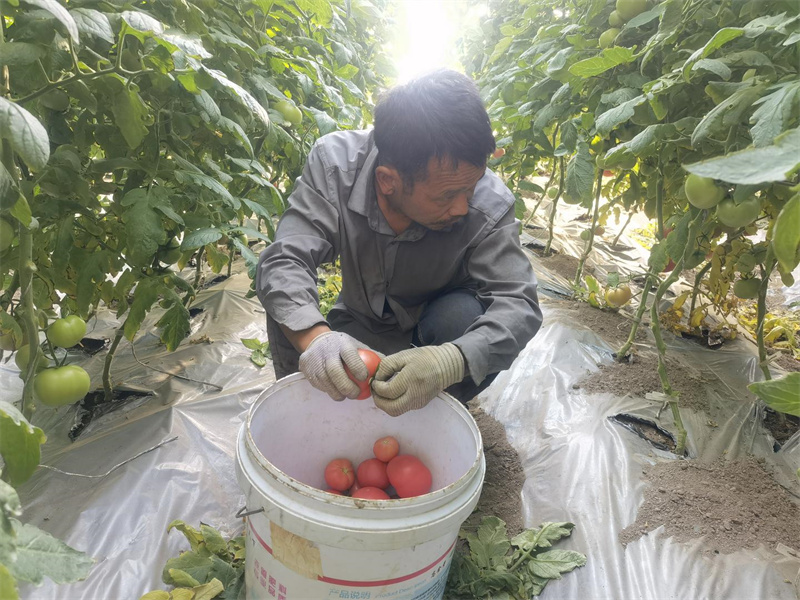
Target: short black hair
<point>440,115</point>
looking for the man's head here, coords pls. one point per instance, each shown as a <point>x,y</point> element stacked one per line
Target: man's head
<point>433,137</point>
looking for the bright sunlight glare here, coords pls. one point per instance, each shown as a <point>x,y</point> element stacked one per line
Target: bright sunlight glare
<point>428,31</point>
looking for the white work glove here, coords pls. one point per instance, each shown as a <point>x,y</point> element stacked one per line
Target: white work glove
<point>410,379</point>
<point>322,364</point>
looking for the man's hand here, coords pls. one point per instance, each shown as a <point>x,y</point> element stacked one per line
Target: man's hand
<point>410,379</point>
<point>321,363</point>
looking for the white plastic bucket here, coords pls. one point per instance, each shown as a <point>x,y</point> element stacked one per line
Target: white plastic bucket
<point>307,544</point>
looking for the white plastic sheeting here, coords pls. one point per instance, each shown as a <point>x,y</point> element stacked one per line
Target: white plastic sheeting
<point>580,466</point>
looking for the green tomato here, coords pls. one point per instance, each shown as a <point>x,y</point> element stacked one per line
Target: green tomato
<point>22,357</point>
<point>615,20</point>
<point>7,234</point>
<point>746,263</point>
<point>585,235</point>
<point>66,332</point>
<point>619,296</point>
<point>702,192</point>
<point>747,289</point>
<point>170,253</point>
<point>608,36</point>
<point>738,215</point>
<point>628,162</point>
<point>627,9</point>
<point>289,111</point>
<point>56,100</point>
<point>552,192</point>
<point>62,385</point>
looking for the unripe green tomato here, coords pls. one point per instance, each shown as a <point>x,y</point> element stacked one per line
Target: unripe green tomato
<point>289,111</point>
<point>7,234</point>
<point>615,20</point>
<point>702,192</point>
<point>628,162</point>
<point>22,357</point>
<point>619,296</point>
<point>56,100</point>
<point>62,385</point>
<point>170,253</point>
<point>627,9</point>
<point>746,263</point>
<point>747,289</point>
<point>585,235</point>
<point>607,37</point>
<point>66,332</point>
<point>738,215</point>
<point>552,192</point>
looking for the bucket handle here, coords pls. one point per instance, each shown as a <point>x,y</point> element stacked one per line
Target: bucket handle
<point>243,512</point>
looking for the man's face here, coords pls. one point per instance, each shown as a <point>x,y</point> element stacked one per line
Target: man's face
<point>440,199</point>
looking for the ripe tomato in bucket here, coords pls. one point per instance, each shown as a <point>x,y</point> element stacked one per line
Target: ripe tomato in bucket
<point>372,361</point>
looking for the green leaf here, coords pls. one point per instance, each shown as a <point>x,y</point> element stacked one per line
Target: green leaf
<point>251,343</point>
<point>25,133</point>
<point>613,117</point>
<point>93,23</point>
<point>543,537</point>
<point>59,12</point>
<point>194,537</point>
<point>19,444</point>
<point>144,233</point>
<point>202,566</point>
<point>182,578</point>
<point>258,358</point>
<point>9,507</point>
<point>786,235</point>
<point>214,541</point>
<point>9,326</point>
<point>775,113</point>
<point>580,176</point>
<point>325,122</point>
<point>658,257</point>
<point>8,587</point>
<point>678,238</point>
<point>147,292</point>
<point>489,545</point>
<point>142,22</point>
<point>216,258</point>
<point>713,65</point>
<point>200,237</point>
<point>241,94</point>
<point>234,128</point>
<point>175,324</point>
<point>40,555</point>
<point>131,115</point>
<point>719,39</point>
<point>607,59</point>
<point>22,211</point>
<point>755,165</point>
<point>209,590</point>
<point>727,113</point>
<point>206,181</point>
<point>156,595</point>
<point>19,54</point>
<point>783,395</point>
<point>209,111</point>
<point>551,564</point>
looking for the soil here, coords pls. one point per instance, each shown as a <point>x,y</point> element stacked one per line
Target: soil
<point>563,264</point>
<point>787,362</point>
<point>732,504</point>
<point>614,327</point>
<point>781,429</point>
<point>640,377</point>
<point>502,489</point>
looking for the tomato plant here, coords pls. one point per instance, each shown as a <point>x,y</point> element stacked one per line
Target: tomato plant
<point>372,473</point>
<point>339,474</point>
<point>386,448</point>
<point>409,476</point>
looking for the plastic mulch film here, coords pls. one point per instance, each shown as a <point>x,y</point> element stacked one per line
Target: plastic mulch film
<point>579,465</point>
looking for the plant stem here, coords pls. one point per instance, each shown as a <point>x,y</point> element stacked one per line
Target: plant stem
<point>621,231</point>
<point>547,247</point>
<point>696,289</point>
<point>588,248</point>
<point>108,388</point>
<point>766,271</point>
<point>29,321</point>
<point>637,320</point>
<point>198,266</point>
<point>655,326</point>
<point>660,205</point>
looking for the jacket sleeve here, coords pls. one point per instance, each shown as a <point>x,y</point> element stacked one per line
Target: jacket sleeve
<point>307,237</point>
<point>506,286</point>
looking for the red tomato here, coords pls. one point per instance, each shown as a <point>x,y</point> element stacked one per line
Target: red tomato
<point>339,474</point>
<point>372,361</point>
<point>372,473</point>
<point>355,487</point>
<point>371,493</point>
<point>409,476</point>
<point>386,448</point>
<point>499,153</point>
<point>335,492</point>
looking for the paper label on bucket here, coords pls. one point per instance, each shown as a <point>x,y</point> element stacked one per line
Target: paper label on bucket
<point>336,573</point>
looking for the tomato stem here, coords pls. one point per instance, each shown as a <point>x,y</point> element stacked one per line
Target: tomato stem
<point>588,248</point>
<point>547,248</point>
<point>108,388</point>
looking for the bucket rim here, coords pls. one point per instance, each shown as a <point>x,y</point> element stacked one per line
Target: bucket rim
<point>386,508</point>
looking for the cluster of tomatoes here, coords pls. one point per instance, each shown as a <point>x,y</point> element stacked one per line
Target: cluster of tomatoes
<point>389,475</point>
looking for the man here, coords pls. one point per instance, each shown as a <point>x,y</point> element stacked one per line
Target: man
<point>433,275</point>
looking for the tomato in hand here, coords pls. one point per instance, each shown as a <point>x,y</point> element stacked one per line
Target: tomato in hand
<point>61,385</point>
<point>371,493</point>
<point>409,476</point>
<point>386,448</point>
<point>371,360</point>
<point>66,332</point>
<point>339,474</point>
<point>372,473</point>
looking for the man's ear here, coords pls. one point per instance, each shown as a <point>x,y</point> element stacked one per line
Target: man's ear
<point>389,180</point>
